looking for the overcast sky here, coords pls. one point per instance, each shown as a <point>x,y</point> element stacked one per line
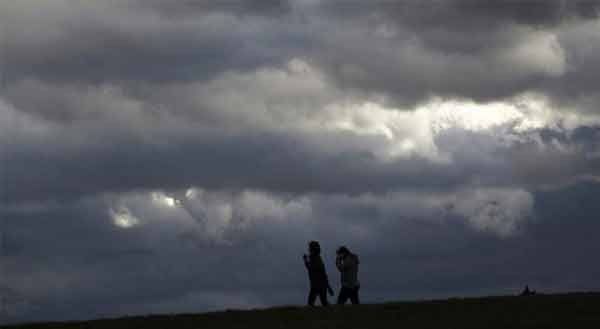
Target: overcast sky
<point>177,156</point>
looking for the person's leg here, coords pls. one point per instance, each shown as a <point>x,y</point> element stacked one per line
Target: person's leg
<point>312,295</point>
<point>354,296</point>
<point>323,297</point>
<point>343,296</point>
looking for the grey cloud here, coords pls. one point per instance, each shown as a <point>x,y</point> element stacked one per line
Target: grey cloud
<point>411,245</point>
<point>566,156</point>
<point>240,7</point>
<point>136,41</point>
<point>274,162</point>
<point>468,13</point>
<point>540,13</point>
<point>411,51</point>
<point>407,51</point>
<point>408,69</point>
<point>119,143</point>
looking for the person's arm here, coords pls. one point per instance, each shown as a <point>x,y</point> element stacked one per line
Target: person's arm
<point>306,262</point>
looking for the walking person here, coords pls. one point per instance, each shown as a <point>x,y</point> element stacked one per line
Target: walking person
<point>319,283</point>
<point>347,264</point>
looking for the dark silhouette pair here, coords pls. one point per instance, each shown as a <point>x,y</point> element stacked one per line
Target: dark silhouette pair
<point>346,262</point>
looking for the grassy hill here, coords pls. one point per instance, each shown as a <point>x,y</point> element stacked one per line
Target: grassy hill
<point>566,311</point>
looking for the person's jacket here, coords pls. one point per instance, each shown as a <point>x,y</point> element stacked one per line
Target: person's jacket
<point>348,266</point>
<point>316,272</point>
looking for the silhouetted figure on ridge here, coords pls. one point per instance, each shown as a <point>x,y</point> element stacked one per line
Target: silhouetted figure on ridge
<point>528,292</point>
<point>319,283</point>
<point>347,264</point>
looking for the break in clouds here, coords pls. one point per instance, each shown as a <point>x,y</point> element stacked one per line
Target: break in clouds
<point>177,157</point>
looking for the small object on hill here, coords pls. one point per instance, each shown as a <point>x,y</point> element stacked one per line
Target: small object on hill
<point>527,292</point>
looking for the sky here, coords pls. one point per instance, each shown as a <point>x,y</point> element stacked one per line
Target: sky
<point>169,157</point>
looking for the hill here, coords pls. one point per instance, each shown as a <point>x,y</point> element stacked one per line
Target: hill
<point>576,310</point>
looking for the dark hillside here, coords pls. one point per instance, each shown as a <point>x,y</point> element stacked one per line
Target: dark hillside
<point>566,311</point>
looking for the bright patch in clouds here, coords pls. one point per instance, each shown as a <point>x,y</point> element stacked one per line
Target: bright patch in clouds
<point>191,193</point>
<point>122,217</point>
<point>165,200</point>
<point>472,116</point>
<point>406,133</point>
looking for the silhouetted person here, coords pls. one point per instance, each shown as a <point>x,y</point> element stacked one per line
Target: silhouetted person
<point>347,264</point>
<point>319,283</point>
<point>528,292</point>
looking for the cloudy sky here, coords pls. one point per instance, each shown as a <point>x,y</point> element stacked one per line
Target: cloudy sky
<point>178,156</point>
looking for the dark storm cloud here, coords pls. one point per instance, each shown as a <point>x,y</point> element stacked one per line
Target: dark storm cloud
<point>275,162</point>
<point>176,157</point>
<point>239,7</point>
<point>141,40</point>
<point>534,12</point>
<point>429,252</point>
<point>466,13</point>
<point>566,156</point>
<point>286,163</point>
<point>406,50</point>
<point>93,252</point>
<point>412,50</point>
<point>463,25</point>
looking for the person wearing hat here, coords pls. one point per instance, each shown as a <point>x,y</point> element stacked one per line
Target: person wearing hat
<point>319,283</point>
<point>347,264</point>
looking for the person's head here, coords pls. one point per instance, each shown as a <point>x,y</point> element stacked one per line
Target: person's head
<point>314,248</point>
<point>342,251</point>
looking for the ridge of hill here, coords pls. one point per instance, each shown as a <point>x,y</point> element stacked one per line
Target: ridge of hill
<point>572,310</point>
